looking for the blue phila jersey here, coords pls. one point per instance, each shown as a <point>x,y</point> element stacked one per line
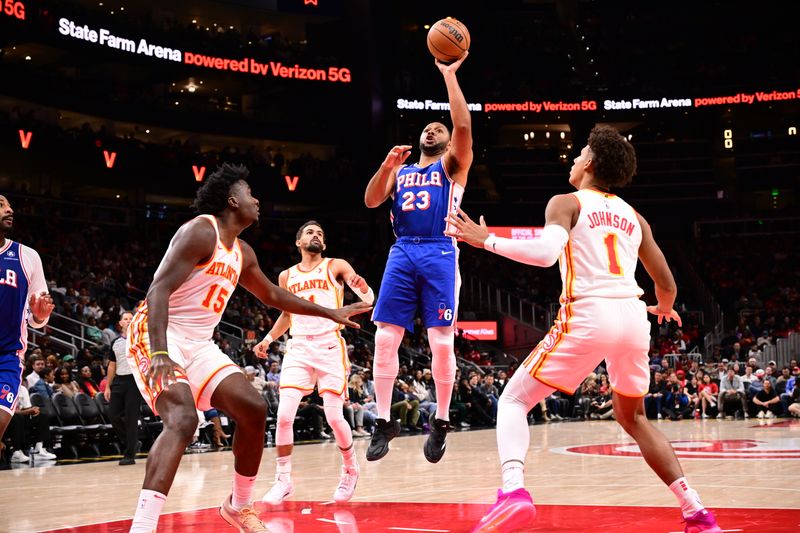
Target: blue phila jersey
<point>422,199</point>
<point>13,299</point>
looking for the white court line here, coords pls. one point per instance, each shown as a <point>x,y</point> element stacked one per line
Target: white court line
<point>335,522</point>
<point>724,531</point>
<point>417,529</point>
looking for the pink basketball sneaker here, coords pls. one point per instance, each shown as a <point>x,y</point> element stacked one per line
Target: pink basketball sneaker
<point>702,521</point>
<point>512,511</point>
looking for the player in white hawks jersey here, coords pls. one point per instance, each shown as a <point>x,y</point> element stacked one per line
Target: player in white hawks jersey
<point>315,355</point>
<point>597,238</point>
<point>176,364</point>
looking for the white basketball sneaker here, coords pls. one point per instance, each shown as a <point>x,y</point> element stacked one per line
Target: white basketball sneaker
<point>280,490</point>
<point>347,484</point>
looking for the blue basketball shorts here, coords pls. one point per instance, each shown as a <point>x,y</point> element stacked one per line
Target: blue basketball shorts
<point>421,275</point>
<point>10,377</point>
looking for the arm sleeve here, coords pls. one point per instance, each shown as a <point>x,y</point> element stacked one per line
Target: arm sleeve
<point>32,264</point>
<point>543,251</point>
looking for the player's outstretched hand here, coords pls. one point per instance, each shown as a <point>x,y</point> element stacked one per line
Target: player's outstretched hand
<point>261,348</point>
<point>451,68</point>
<point>665,315</point>
<point>462,227</point>
<point>342,316</point>
<point>41,306</point>
<point>397,155</point>
<point>162,370</point>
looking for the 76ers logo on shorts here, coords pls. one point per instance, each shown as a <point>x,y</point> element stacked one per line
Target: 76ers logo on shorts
<point>445,313</point>
<point>6,395</point>
<point>700,449</point>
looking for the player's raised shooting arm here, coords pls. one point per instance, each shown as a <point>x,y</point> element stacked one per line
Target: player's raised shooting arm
<point>192,245</point>
<point>284,322</point>
<point>657,268</point>
<point>254,280</point>
<point>459,157</point>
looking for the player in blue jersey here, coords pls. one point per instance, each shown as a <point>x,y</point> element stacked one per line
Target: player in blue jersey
<point>422,270</point>
<point>23,300</point>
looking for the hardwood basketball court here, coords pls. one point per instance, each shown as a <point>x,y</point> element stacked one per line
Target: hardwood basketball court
<point>583,476</point>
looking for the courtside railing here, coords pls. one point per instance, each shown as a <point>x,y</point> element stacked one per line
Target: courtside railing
<point>485,297</point>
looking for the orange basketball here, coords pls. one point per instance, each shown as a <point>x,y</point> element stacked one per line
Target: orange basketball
<point>448,39</point>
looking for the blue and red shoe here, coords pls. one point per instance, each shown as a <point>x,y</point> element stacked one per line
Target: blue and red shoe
<point>512,511</point>
<point>702,521</point>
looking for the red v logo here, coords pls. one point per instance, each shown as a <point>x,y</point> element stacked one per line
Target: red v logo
<point>110,157</point>
<point>199,172</point>
<point>291,182</point>
<point>25,138</point>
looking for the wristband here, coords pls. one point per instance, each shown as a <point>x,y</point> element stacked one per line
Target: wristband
<point>366,297</point>
<point>269,339</point>
<point>160,352</point>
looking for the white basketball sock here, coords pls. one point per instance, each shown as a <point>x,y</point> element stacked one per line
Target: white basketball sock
<point>242,490</point>
<point>688,498</point>
<point>513,476</point>
<point>148,511</point>
<point>284,467</point>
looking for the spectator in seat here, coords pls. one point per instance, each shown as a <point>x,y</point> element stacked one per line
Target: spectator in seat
<point>604,388</point>
<point>731,389</point>
<point>602,407</point>
<point>791,384</point>
<point>258,383</point>
<point>794,406</point>
<point>405,406</point>
<point>87,383</point>
<point>488,388</point>
<point>676,403</point>
<point>708,393</point>
<point>694,399</point>
<point>274,373</point>
<point>93,333</point>
<point>37,364</point>
<point>419,389</point>
<point>500,382</point>
<point>748,376</point>
<point>45,384</point>
<point>655,395</point>
<point>481,405</point>
<point>780,383</point>
<point>757,385</point>
<point>26,419</point>
<point>767,402</point>
<point>459,403</point>
<point>64,383</point>
<point>355,389</point>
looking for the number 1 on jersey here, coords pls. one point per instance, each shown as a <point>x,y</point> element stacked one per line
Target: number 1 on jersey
<point>613,258</point>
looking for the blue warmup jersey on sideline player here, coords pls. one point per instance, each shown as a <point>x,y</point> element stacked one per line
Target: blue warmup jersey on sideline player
<point>13,330</point>
<point>422,269</point>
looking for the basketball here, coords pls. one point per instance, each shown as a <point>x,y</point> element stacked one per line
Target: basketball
<point>448,39</point>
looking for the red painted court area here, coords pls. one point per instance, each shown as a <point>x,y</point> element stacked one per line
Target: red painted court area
<point>443,518</point>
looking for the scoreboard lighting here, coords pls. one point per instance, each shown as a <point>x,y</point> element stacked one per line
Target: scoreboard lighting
<point>484,331</point>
